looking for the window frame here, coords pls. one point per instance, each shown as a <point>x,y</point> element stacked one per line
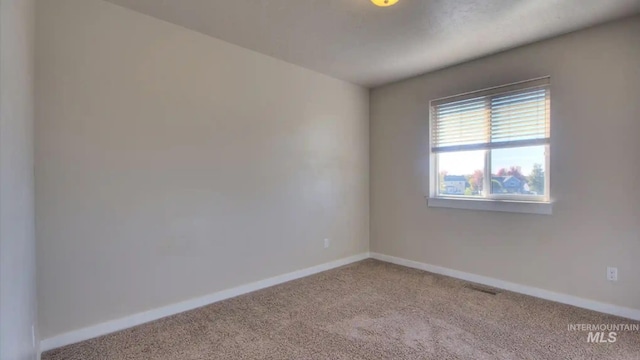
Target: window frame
<point>541,204</point>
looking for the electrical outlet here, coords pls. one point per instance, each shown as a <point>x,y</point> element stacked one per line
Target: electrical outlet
<point>612,274</point>
<point>327,243</point>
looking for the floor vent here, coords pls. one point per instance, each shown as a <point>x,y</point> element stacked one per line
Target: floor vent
<point>485,290</point>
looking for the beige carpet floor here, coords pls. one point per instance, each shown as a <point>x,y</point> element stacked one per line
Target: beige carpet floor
<point>367,310</point>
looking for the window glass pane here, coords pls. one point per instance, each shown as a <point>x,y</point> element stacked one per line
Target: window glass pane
<point>461,173</point>
<point>461,123</point>
<point>518,171</point>
<point>519,116</point>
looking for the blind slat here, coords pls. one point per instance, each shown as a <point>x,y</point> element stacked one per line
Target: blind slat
<point>517,117</point>
<point>459,108</point>
<point>458,103</point>
<point>494,145</point>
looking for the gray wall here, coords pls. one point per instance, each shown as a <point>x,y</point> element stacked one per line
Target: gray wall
<point>170,165</point>
<point>17,242</point>
<point>595,83</point>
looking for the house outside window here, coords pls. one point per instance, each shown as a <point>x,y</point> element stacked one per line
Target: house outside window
<point>492,146</point>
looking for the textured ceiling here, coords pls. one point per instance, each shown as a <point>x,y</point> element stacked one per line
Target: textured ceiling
<point>356,41</point>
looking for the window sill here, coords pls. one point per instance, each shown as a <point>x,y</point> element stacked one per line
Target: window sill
<point>525,207</point>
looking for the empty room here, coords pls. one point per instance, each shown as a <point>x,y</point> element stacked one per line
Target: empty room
<point>319,179</point>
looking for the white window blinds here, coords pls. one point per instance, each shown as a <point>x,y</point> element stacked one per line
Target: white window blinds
<point>507,116</point>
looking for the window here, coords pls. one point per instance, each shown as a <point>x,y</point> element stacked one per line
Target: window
<point>492,146</point>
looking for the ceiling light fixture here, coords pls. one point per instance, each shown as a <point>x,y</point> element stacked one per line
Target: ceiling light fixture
<point>384,3</point>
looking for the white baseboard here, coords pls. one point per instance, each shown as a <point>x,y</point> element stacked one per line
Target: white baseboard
<point>158,313</point>
<point>621,311</point>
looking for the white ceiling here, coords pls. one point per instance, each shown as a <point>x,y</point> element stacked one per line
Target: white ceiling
<point>356,41</point>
